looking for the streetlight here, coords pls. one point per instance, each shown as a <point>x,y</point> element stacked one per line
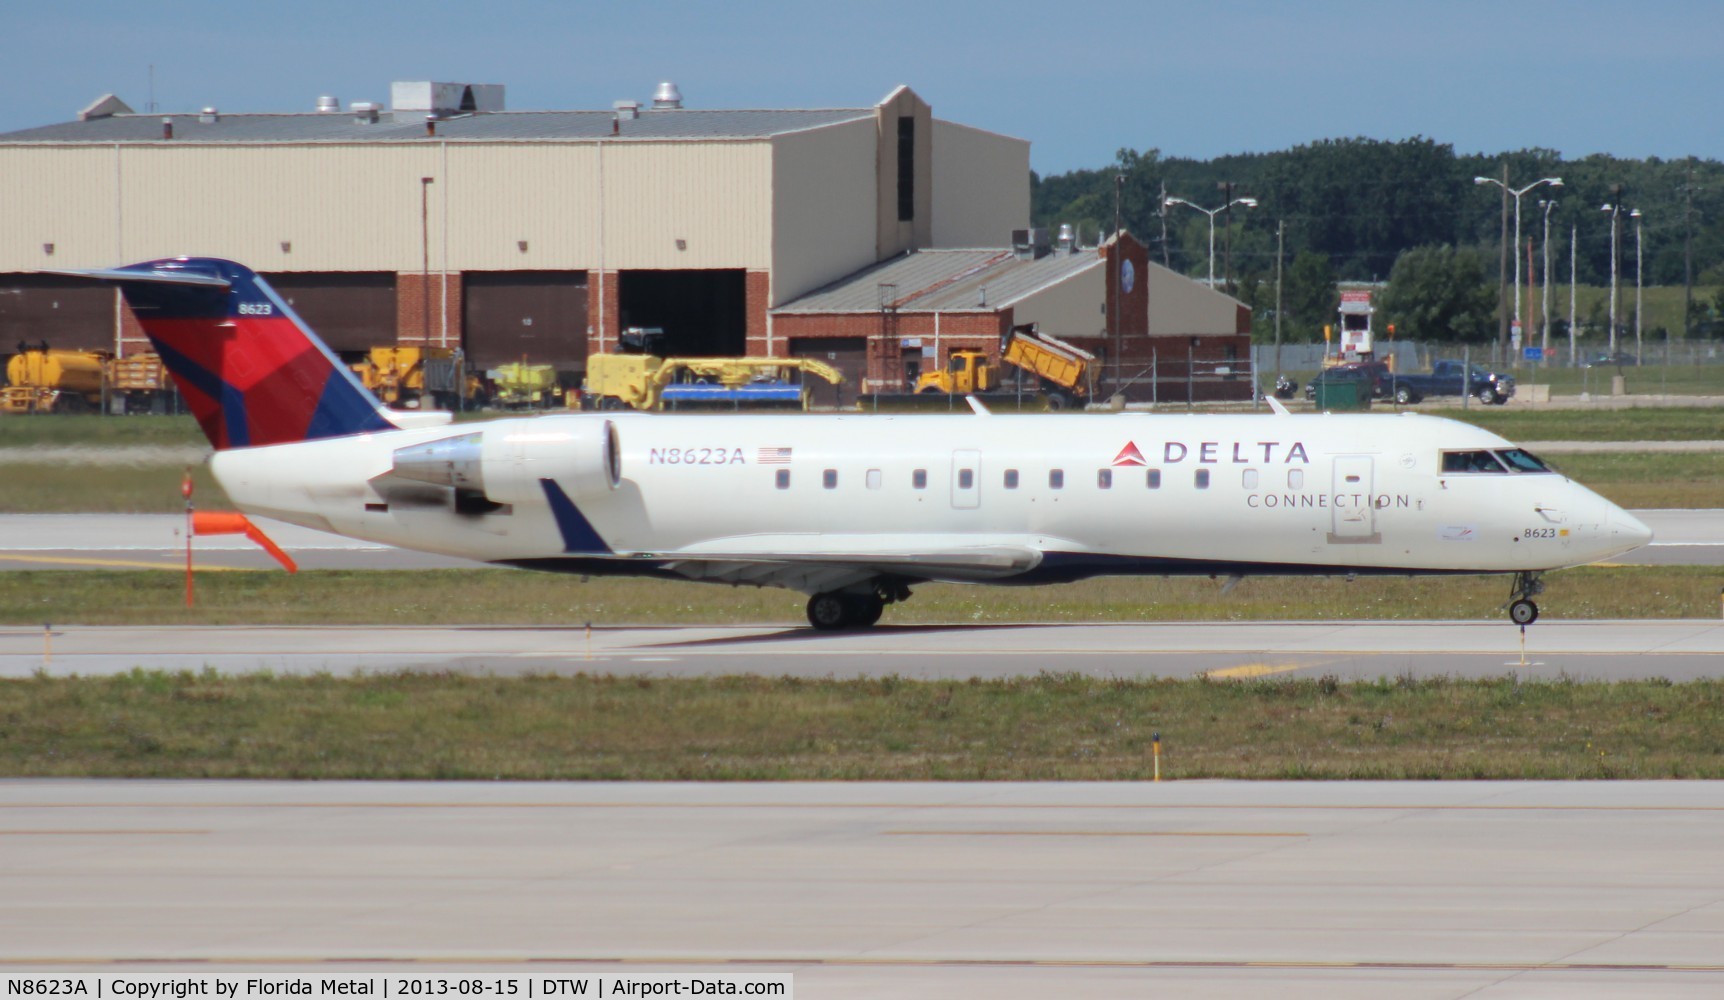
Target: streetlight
<point>1553,182</point>
<point>1615,210</point>
<point>1547,205</point>
<point>1638,348</point>
<point>1212,213</point>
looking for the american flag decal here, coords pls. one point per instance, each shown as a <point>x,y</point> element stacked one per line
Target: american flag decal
<point>774,456</point>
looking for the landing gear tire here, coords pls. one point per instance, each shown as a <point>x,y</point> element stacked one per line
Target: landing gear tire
<point>832,611</point>
<point>865,610</point>
<point>1523,612</point>
<point>828,612</point>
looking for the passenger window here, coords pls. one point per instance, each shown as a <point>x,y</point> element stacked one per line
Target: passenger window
<point>1104,478</point>
<point>919,479</point>
<point>829,479</point>
<point>1248,479</point>
<point>966,479</point>
<point>1056,479</point>
<point>1295,479</point>
<point>1011,479</point>
<point>1153,479</point>
<point>873,479</point>
<point>783,479</point>
<point>1201,479</point>
<point>1471,461</point>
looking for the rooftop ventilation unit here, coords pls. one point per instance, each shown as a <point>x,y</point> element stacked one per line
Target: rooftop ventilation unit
<point>444,99</point>
<point>209,116</point>
<point>328,104</point>
<point>1031,244</point>
<point>627,110</point>
<point>365,112</point>
<point>1067,238</point>
<point>666,97</point>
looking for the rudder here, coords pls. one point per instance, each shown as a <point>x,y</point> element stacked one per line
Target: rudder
<point>249,368</point>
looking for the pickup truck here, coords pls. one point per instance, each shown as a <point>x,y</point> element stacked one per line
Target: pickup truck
<point>1447,378</point>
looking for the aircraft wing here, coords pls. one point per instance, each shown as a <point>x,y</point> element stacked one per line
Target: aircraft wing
<point>833,562</point>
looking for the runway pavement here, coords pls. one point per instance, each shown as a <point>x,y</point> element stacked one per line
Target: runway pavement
<point>1585,650</point>
<point>1191,889</point>
<point>156,541</point>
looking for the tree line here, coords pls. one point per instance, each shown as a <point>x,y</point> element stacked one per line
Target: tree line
<point>1354,209</point>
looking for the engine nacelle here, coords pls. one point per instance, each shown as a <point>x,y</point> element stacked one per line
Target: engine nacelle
<point>506,459</point>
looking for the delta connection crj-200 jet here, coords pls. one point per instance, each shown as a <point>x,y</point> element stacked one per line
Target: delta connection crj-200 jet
<point>852,510</point>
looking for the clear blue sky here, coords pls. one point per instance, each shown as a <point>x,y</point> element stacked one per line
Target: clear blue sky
<point>1080,80</point>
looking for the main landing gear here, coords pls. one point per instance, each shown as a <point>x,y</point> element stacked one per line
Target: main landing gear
<point>1521,609</point>
<point>846,609</point>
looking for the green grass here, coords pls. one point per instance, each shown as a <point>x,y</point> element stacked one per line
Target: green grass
<point>432,597</point>
<point>1641,480</point>
<point>1052,727</point>
<point>1636,424</point>
<point>51,488</point>
<point>95,429</point>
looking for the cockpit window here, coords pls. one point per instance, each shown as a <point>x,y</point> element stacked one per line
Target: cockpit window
<point>1471,461</point>
<point>1522,461</point>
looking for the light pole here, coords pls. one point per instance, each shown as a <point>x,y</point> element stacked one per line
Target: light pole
<point>1638,348</point>
<point>1553,182</point>
<point>1212,213</point>
<point>1544,340</point>
<point>1615,210</point>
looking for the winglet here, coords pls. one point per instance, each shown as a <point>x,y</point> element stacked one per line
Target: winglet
<point>980,408</point>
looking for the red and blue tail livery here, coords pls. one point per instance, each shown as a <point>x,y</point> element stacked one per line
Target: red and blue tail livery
<point>249,368</point>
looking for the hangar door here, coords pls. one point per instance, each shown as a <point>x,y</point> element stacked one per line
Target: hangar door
<point>702,313</point>
<point>351,311</point>
<point>67,313</point>
<point>848,354</point>
<point>539,316</point>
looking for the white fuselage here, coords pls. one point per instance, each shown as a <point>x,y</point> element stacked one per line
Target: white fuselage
<point>1073,495</point>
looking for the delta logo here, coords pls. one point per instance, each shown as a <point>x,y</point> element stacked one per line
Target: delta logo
<point>1129,455</point>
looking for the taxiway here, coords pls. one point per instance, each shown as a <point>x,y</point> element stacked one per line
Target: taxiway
<point>1196,889</point>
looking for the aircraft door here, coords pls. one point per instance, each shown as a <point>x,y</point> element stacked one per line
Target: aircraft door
<point>966,479</point>
<point>1352,504</point>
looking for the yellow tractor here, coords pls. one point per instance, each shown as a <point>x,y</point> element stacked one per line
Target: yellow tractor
<point>646,382</point>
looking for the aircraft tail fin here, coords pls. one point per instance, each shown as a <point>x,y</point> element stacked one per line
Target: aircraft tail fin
<point>250,369</point>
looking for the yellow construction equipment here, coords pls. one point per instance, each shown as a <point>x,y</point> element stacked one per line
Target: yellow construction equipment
<point>44,380</point>
<point>405,376</point>
<point>1063,371</point>
<point>646,382</point>
<point>520,385</point>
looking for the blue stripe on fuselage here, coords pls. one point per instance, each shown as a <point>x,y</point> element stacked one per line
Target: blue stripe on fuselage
<point>577,531</point>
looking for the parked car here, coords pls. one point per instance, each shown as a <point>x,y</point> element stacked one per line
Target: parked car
<point>1604,359</point>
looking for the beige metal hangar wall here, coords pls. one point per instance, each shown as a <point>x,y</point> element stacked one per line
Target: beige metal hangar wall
<point>981,186</point>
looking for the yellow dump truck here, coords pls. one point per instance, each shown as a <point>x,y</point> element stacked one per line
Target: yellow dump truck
<point>965,372</point>
<point>1064,372</point>
<point>48,380</point>
<point>646,382</point>
<point>408,376</point>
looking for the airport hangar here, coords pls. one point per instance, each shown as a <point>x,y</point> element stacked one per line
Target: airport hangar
<point>878,238</point>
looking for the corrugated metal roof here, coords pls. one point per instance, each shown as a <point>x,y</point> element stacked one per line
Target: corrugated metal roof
<point>944,281</point>
<point>497,126</point>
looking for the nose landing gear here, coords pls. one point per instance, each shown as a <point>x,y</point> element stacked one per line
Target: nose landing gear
<point>1521,609</point>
